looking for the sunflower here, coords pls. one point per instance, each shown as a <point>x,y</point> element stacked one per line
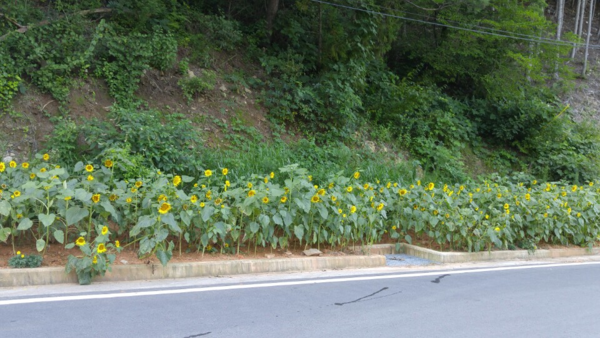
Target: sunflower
<point>17,193</point>
<point>95,260</point>
<point>89,168</point>
<point>225,171</point>
<point>266,180</point>
<point>117,244</point>
<point>176,180</point>
<point>333,198</point>
<point>352,209</point>
<point>315,199</point>
<point>164,208</point>
<point>46,157</point>
<point>108,163</point>
<point>31,176</point>
<point>250,185</point>
<point>104,230</point>
<point>402,192</point>
<point>128,200</point>
<point>218,201</point>
<point>96,198</point>
<point>321,192</point>
<point>138,183</point>
<point>208,173</point>
<point>12,164</point>
<point>161,198</point>
<point>506,206</point>
<point>194,199</point>
<point>265,200</point>
<point>25,165</point>
<point>251,193</point>
<point>272,174</point>
<point>113,197</point>
<point>430,186</point>
<point>80,241</point>
<point>380,206</point>
<point>283,199</point>
<point>349,189</point>
<point>101,248</point>
<point>2,167</point>
<point>356,175</point>
<point>227,184</point>
<point>89,178</point>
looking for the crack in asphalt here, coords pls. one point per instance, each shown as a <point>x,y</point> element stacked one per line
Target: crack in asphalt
<point>358,300</point>
<point>437,280</point>
<point>197,335</point>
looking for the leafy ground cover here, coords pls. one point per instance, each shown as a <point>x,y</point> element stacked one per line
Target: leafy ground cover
<point>92,212</point>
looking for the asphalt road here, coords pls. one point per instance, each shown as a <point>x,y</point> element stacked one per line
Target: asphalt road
<point>552,301</point>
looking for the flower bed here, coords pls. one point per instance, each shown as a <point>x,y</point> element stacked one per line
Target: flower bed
<point>88,209</point>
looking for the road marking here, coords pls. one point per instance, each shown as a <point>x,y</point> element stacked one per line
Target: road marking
<point>273,284</point>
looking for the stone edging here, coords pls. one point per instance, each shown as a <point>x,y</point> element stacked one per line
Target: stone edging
<point>57,275</point>
<point>461,257</point>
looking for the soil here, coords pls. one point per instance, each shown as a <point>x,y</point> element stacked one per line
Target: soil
<point>57,255</point>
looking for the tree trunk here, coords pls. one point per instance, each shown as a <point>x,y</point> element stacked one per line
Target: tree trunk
<point>271,12</point>
<point>587,38</point>
<point>576,27</point>
<point>561,14</point>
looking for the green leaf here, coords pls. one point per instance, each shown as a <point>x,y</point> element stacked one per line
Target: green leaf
<point>207,212</point>
<point>70,246</point>
<point>59,235</point>
<point>254,227</point>
<point>25,224</point>
<point>169,219</point>
<point>186,218</point>
<point>277,220</point>
<point>323,211</point>
<point>146,221</point>
<point>76,214</point>
<point>109,207</point>
<point>163,256</point>
<point>47,220</point>
<point>40,244</point>
<point>299,231</point>
<point>5,208</point>
<point>408,239</point>
<point>264,220</point>
<point>4,232</point>
<point>83,195</point>
<point>78,167</point>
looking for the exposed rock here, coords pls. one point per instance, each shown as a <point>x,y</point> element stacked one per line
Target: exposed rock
<point>223,88</point>
<point>124,261</point>
<point>312,252</point>
<point>191,74</point>
<point>7,159</point>
<point>269,256</point>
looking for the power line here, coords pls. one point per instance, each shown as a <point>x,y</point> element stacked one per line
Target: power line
<point>536,39</point>
<point>470,25</point>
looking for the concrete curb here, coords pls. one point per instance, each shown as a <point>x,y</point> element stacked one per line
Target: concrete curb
<point>462,257</point>
<point>45,276</point>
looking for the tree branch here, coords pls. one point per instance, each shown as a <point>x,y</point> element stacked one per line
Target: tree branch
<point>24,29</point>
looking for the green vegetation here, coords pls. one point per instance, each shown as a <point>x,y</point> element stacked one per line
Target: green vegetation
<point>347,85</point>
<point>89,207</point>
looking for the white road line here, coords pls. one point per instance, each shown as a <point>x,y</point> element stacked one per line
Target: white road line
<point>266,285</point>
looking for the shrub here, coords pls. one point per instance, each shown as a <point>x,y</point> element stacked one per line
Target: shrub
<point>24,261</point>
<point>197,85</point>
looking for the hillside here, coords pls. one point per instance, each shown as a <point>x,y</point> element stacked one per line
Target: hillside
<point>214,86</point>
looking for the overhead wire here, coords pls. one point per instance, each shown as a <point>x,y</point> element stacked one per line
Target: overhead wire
<point>471,25</point>
<point>523,38</point>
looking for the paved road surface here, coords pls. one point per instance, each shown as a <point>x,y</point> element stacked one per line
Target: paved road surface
<point>561,300</point>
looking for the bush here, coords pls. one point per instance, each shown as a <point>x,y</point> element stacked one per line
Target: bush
<point>21,261</point>
<point>192,86</point>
